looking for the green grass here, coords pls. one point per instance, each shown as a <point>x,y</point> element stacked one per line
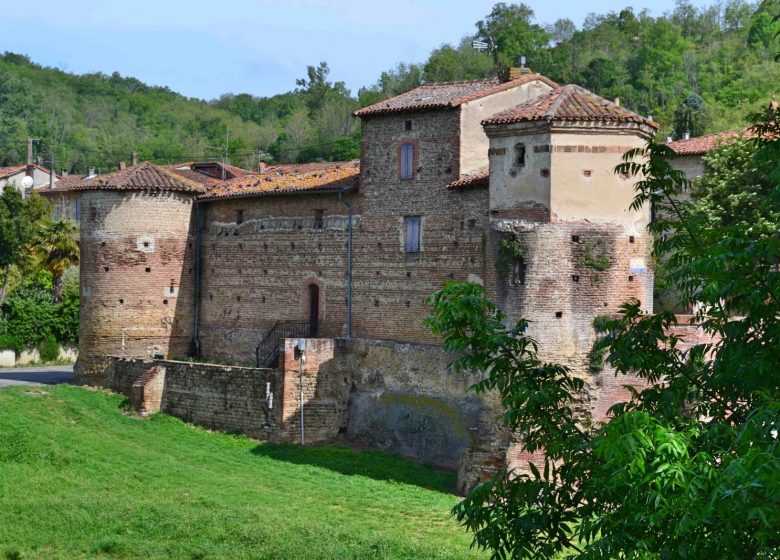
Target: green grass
<point>80,479</point>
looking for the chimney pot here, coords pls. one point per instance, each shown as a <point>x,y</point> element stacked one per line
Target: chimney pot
<point>91,172</point>
<point>122,166</point>
<point>686,135</point>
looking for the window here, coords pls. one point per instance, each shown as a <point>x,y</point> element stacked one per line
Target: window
<point>78,209</point>
<point>408,125</point>
<point>412,227</point>
<point>239,217</point>
<point>407,161</point>
<point>520,155</point>
<point>93,213</point>
<point>318,218</point>
<point>518,271</point>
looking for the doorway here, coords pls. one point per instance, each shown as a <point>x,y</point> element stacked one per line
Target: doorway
<point>314,309</point>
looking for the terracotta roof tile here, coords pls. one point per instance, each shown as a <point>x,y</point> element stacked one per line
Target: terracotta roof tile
<point>703,144</point>
<point>480,178</point>
<point>447,94</point>
<point>568,103</point>
<point>14,169</point>
<point>144,176</point>
<point>63,184</point>
<point>285,179</point>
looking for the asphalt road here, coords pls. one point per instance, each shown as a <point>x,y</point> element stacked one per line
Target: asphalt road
<point>36,375</point>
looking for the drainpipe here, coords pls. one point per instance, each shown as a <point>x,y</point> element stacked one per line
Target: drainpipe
<point>196,337</point>
<point>348,204</point>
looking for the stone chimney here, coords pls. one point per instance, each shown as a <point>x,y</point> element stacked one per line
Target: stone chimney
<point>515,72</point>
<point>64,173</point>
<point>261,166</point>
<point>617,101</point>
<point>91,172</point>
<point>134,158</point>
<point>122,166</point>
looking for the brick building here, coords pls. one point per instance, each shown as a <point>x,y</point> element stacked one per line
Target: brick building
<point>347,252</point>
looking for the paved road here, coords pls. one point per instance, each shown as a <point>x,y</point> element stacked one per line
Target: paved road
<point>36,375</point>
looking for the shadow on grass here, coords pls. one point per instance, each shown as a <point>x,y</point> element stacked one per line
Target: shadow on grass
<point>372,464</point>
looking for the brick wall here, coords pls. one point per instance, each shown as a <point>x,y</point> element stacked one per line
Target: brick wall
<point>136,275</point>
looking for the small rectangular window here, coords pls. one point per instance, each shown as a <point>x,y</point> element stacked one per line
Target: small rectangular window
<point>93,213</point>
<point>239,216</point>
<point>318,217</point>
<point>412,227</point>
<point>78,209</point>
<point>407,161</point>
<point>408,125</point>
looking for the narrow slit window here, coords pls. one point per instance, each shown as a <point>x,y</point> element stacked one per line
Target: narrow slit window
<point>518,271</point>
<point>407,161</point>
<point>318,218</point>
<point>412,226</point>
<point>520,155</point>
<point>239,217</point>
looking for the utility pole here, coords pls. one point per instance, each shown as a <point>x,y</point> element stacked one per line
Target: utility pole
<point>51,170</point>
<point>224,159</point>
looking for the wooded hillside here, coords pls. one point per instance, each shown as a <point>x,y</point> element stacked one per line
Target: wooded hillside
<point>694,70</point>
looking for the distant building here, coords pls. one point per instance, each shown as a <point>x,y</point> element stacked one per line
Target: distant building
<point>15,174</point>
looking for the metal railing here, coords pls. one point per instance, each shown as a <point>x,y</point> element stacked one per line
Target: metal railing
<point>268,351</point>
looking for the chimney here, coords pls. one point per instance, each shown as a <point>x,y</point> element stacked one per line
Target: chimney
<point>91,172</point>
<point>686,135</point>
<point>29,151</point>
<point>261,166</point>
<point>122,166</point>
<point>64,173</point>
<point>617,101</point>
<point>134,158</point>
<point>514,72</point>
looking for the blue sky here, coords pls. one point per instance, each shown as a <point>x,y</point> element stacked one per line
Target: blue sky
<point>202,49</point>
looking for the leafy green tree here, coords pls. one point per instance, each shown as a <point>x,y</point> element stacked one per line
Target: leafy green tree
<point>58,250</point>
<point>19,219</point>
<point>448,63</point>
<point>690,466</point>
<point>691,116</point>
<point>509,27</point>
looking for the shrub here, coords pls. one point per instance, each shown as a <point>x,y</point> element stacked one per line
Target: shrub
<point>49,349</point>
<point>10,342</point>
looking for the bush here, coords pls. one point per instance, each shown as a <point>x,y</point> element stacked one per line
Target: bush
<point>49,349</point>
<point>11,342</point>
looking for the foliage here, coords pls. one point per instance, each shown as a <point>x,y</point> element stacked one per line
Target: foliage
<point>58,250</point>
<point>30,315</point>
<point>690,466</point>
<point>598,352</point>
<point>594,258</point>
<point>49,349</point>
<point>77,474</point>
<point>509,250</point>
<point>18,222</point>
<point>690,117</point>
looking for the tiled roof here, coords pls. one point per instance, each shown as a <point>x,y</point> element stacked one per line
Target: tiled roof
<point>703,144</point>
<point>14,169</point>
<point>144,176</point>
<point>63,184</point>
<point>447,94</point>
<point>480,178</point>
<point>285,179</point>
<point>568,103</point>
<point>208,172</point>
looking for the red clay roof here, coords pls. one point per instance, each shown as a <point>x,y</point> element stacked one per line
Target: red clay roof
<point>447,95</point>
<point>295,178</point>
<point>63,184</point>
<point>14,169</point>
<point>703,144</point>
<point>144,176</point>
<point>478,179</point>
<point>568,103</point>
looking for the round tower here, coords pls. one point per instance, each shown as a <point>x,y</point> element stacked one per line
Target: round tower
<point>137,267</point>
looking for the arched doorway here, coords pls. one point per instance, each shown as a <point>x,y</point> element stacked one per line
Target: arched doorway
<point>314,309</point>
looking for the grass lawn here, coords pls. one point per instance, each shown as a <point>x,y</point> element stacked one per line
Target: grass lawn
<point>79,479</point>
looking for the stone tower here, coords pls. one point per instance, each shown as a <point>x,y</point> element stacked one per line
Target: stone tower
<point>137,267</point>
<point>569,247</point>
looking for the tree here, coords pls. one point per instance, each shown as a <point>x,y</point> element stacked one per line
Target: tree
<point>691,117</point>
<point>690,466</point>
<point>510,29</point>
<point>18,221</point>
<point>58,250</point>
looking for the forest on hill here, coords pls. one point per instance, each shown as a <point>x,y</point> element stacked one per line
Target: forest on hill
<point>693,69</point>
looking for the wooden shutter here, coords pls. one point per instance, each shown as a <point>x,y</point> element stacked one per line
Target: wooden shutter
<point>412,234</point>
<point>407,161</point>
